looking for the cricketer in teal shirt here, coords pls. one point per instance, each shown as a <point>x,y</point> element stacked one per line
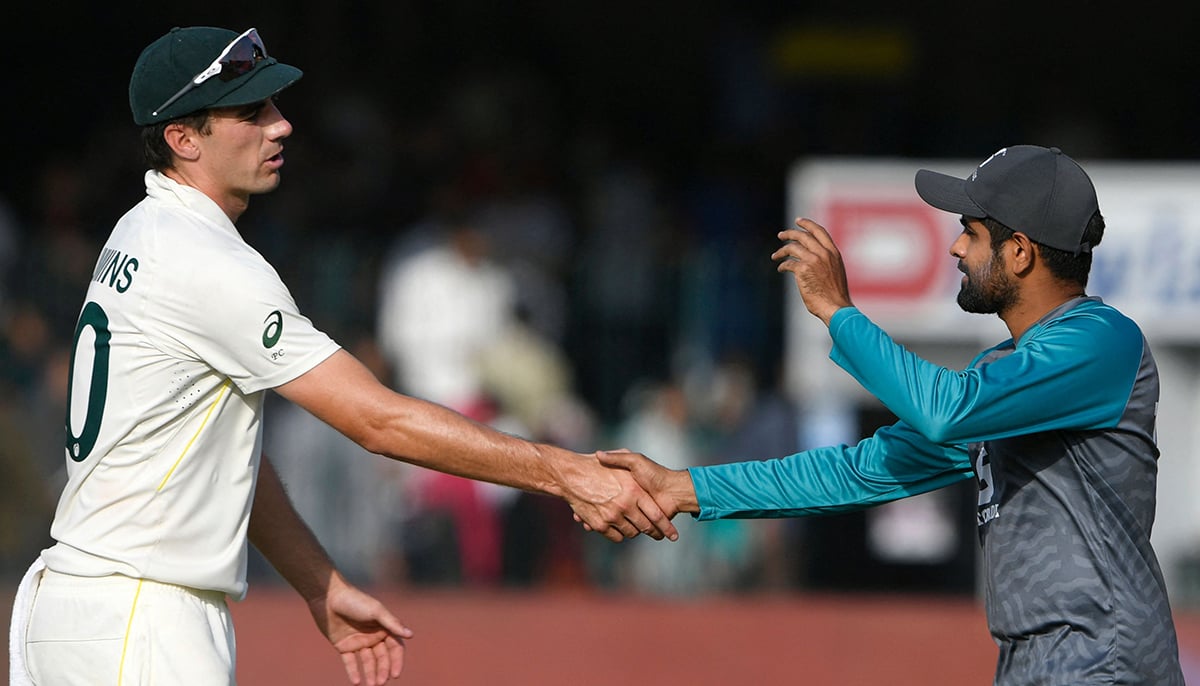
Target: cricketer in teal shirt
<point>1056,425</point>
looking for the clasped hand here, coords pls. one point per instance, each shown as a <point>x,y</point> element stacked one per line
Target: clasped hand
<point>660,493</point>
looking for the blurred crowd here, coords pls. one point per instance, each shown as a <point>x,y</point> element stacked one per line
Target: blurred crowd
<point>565,238</point>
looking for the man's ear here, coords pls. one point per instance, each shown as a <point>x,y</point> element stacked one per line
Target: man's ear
<point>182,141</point>
<point>1021,253</point>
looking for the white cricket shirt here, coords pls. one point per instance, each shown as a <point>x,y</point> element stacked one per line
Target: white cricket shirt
<point>183,329</point>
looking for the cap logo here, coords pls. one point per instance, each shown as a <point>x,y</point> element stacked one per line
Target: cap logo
<point>999,153</point>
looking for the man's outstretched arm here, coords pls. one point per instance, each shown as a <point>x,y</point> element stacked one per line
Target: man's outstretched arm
<point>369,638</point>
<point>344,394</point>
<point>896,462</point>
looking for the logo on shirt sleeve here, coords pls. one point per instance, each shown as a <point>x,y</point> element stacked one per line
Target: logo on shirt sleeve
<point>274,330</point>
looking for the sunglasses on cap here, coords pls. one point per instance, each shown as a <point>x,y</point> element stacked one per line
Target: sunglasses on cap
<point>238,58</point>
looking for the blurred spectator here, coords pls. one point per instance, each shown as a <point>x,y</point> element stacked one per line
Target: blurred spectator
<point>530,376</point>
<point>658,426</point>
<point>27,338</point>
<point>26,503</point>
<point>752,419</point>
<point>442,305</point>
<point>454,530</point>
<point>31,453</point>
<point>45,406</point>
<point>711,412</point>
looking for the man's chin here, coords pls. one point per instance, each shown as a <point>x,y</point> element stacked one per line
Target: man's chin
<point>971,303</point>
<point>269,184</point>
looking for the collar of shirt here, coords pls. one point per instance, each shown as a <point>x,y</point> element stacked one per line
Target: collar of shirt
<point>163,188</point>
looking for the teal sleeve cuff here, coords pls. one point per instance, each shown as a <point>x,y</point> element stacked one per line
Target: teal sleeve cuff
<point>840,318</point>
<point>703,494</point>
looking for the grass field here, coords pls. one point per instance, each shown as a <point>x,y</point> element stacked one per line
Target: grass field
<point>511,638</point>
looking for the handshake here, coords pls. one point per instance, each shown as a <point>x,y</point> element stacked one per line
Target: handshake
<point>622,494</point>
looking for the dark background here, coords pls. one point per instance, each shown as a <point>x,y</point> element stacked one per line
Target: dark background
<point>685,86</point>
<point>714,101</point>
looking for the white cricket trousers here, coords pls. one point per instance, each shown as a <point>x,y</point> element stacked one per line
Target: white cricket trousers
<point>118,631</point>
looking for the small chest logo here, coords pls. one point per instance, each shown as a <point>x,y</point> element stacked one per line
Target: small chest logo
<point>274,330</point>
<point>988,510</point>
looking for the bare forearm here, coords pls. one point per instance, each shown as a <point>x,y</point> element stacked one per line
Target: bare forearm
<point>433,436</point>
<point>343,393</point>
<point>283,538</point>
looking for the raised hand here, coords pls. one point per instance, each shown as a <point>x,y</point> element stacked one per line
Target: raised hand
<point>816,264</point>
<point>672,489</point>
<point>611,502</point>
<point>369,638</point>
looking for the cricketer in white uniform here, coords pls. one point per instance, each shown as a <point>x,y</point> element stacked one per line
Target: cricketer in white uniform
<point>164,432</point>
<point>183,328</point>
<point>173,409</point>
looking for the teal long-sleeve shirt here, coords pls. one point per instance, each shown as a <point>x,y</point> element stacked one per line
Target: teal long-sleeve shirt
<point>1034,389</point>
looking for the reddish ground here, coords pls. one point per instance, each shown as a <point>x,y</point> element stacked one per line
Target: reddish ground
<point>582,639</point>
<point>499,638</point>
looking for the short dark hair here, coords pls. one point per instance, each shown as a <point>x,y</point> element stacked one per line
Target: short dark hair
<point>155,150</point>
<point>1063,264</point>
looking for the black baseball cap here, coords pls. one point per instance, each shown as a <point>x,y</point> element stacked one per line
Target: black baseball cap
<point>1038,191</point>
<point>170,65</point>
